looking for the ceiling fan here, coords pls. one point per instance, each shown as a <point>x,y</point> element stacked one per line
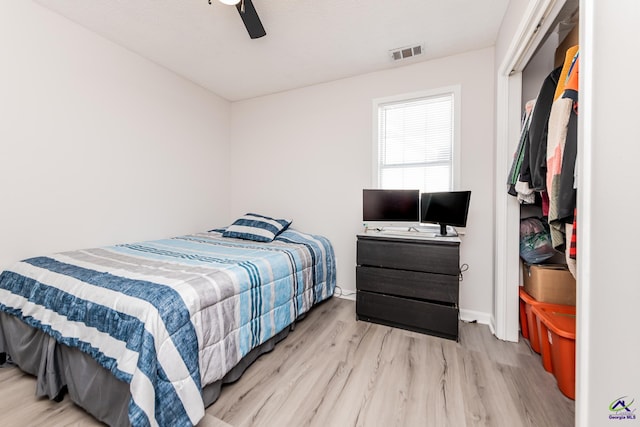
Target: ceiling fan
<point>249,17</point>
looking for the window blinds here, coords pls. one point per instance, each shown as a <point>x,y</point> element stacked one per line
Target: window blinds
<point>415,144</point>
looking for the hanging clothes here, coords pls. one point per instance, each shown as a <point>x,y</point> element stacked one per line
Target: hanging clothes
<point>558,127</point>
<point>562,125</point>
<point>573,246</point>
<point>515,186</point>
<point>536,171</point>
<point>567,210</point>
<point>567,190</point>
<point>566,66</point>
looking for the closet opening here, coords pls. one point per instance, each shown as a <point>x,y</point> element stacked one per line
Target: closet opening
<point>537,50</point>
<point>535,213</point>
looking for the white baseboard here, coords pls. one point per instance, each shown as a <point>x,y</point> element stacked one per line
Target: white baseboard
<point>477,316</point>
<point>492,324</point>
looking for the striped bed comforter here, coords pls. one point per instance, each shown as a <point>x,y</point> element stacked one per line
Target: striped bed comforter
<point>171,316</point>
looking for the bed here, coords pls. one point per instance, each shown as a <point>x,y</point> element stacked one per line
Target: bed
<point>145,333</point>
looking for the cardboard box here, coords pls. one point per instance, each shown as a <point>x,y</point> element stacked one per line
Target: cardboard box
<point>551,283</point>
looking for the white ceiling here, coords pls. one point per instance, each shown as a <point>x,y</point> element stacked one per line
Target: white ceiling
<point>307,41</point>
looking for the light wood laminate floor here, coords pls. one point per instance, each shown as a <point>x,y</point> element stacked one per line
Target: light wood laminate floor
<point>335,371</point>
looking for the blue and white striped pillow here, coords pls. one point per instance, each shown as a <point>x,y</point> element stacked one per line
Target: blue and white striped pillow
<point>256,227</point>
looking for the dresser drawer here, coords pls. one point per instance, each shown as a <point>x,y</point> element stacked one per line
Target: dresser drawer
<point>411,284</point>
<point>420,316</point>
<point>441,258</point>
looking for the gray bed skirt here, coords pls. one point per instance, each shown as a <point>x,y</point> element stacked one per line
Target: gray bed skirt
<point>60,368</point>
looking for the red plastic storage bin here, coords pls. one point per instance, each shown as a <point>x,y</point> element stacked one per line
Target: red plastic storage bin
<point>526,320</point>
<point>558,335</point>
<point>524,327</point>
<point>543,331</point>
<point>531,323</point>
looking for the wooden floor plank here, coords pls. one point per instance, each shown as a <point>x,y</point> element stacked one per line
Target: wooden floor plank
<point>375,375</point>
<point>335,371</point>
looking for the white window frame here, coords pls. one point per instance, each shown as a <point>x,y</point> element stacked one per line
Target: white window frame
<point>455,91</point>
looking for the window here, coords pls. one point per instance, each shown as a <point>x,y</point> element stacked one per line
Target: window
<point>415,141</point>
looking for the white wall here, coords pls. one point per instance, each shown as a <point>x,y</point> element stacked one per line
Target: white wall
<point>306,154</point>
<point>608,236</point>
<point>509,26</point>
<point>98,145</point>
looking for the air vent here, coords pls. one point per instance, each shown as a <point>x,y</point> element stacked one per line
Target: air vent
<point>405,52</point>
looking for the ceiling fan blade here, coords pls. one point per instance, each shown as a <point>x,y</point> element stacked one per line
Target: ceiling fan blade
<point>251,20</point>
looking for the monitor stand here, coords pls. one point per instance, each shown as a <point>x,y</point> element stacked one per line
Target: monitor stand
<point>445,233</point>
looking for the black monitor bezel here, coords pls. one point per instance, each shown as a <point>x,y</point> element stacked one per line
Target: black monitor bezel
<point>456,222</point>
<point>380,193</point>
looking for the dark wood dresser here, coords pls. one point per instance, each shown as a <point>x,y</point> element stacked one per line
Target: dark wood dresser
<point>409,282</point>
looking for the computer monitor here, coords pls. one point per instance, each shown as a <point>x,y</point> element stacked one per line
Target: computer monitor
<point>445,208</point>
<point>381,207</point>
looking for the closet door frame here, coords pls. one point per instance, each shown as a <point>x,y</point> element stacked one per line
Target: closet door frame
<point>535,24</point>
